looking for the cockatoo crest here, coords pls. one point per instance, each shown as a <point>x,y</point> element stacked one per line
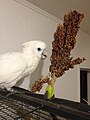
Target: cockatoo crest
<point>37,48</point>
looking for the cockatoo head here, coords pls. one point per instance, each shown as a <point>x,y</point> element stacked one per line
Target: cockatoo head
<point>36,48</point>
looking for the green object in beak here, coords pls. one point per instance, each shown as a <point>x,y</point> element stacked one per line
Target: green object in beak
<point>50,91</point>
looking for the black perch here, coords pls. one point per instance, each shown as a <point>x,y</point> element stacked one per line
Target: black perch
<point>25,105</point>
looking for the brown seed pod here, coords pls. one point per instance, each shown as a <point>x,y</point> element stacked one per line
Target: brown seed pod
<point>64,41</point>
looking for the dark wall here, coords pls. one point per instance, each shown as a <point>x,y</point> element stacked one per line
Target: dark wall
<point>83,86</point>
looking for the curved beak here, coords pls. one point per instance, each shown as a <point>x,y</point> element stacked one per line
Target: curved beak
<point>44,54</point>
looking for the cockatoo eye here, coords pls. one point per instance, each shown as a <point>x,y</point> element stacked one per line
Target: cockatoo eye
<point>39,49</point>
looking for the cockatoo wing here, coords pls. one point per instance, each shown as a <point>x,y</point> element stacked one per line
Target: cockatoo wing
<point>12,67</point>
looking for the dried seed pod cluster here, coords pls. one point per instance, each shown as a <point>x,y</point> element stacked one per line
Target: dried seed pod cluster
<point>39,84</point>
<point>64,42</point>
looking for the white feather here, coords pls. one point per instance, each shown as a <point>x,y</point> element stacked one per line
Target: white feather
<point>16,65</point>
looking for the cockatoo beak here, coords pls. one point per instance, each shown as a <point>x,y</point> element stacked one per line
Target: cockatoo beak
<point>44,54</point>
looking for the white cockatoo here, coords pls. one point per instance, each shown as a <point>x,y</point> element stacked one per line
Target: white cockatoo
<point>16,65</point>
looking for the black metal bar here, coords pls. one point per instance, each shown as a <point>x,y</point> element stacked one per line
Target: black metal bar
<point>54,108</point>
<point>28,113</point>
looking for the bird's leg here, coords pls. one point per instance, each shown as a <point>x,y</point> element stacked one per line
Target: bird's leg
<point>12,92</point>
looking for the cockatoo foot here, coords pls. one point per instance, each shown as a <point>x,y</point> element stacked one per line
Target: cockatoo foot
<point>12,92</point>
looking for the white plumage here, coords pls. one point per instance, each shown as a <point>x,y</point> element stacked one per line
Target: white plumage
<point>17,65</point>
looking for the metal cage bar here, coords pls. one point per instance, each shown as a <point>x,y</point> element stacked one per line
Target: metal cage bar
<point>28,104</point>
